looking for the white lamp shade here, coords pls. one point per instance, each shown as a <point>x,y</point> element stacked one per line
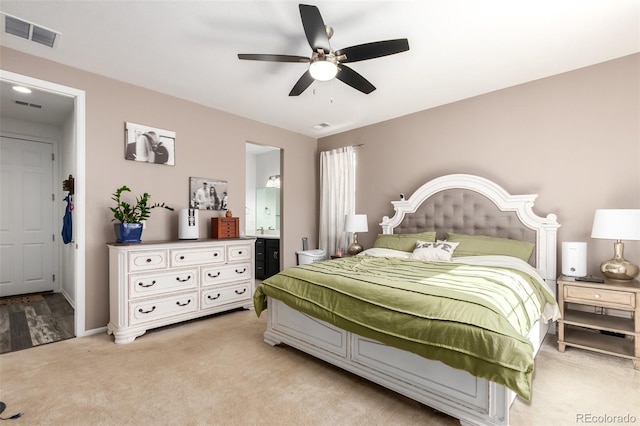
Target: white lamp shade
<point>616,224</point>
<point>356,223</point>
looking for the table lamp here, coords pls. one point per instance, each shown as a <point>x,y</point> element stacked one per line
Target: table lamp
<point>617,224</point>
<point>355,223</point>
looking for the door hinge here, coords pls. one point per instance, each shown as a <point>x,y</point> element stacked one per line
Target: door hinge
<point>53,157</point>
<point>53,197</point>
<point>54,277</point>
<point>53,237</point>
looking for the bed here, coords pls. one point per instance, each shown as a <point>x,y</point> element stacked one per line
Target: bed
<point>415,345</point>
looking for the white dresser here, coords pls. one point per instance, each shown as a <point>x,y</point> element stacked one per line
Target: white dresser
<point>161,283</point>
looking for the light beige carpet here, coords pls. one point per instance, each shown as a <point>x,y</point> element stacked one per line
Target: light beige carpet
<point>218,371</point>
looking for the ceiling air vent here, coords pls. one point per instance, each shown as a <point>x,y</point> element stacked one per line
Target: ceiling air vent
<point>321,126</point>
<point>29,31</point>
<point>28,104</point>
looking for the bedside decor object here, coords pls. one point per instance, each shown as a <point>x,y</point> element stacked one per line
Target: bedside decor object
<point>149,144</point>
<point>355,223</point>
<point>131,216</point>
<point>208,194</point>
<point>617,224</point>
<point>574,259</point>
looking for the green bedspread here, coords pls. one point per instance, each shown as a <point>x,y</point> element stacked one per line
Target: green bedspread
<point>470,317</point>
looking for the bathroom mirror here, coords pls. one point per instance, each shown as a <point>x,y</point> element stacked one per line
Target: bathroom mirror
<point>268,209</point>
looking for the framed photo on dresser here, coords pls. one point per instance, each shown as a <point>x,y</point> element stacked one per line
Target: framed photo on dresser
<point>208,194</point>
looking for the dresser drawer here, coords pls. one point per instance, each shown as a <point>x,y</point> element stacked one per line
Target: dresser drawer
<point>150,310</point>
<point>196,256</point>
<point>594,296</point>
<point>223,274</point>
<point>238,252</point>
<point>142,285</point>
<point>220,296</point>
<point>145,260</point>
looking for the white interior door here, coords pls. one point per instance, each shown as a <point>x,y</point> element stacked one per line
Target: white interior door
<point>26,216</point>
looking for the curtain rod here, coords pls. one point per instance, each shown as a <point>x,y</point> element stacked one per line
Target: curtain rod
<point>352,146</point>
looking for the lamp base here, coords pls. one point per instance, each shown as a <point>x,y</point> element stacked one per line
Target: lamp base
<point>619,269</point>
<point>354,249</point>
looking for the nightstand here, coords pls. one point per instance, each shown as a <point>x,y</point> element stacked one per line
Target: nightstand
<point>592,328</point>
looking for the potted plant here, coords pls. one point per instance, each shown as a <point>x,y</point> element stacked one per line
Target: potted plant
<point>131,216</point>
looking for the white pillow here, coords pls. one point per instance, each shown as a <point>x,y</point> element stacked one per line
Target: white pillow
<point>438,251</point>
<point>385,252</point>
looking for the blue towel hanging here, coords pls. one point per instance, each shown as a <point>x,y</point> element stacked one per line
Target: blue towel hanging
<point>67,221</point>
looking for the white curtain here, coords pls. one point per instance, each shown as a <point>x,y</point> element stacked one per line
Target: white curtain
<point>337,196</point>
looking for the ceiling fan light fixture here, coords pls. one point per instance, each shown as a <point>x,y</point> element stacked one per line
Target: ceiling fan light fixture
<point>323,68</point>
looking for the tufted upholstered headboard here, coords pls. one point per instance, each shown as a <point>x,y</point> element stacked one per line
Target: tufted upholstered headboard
<point>468,204</point>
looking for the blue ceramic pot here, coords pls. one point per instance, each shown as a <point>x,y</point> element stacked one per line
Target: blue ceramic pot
<point>128,232</point>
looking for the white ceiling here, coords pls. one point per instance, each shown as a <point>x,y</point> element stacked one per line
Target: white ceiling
<point>458,49</point>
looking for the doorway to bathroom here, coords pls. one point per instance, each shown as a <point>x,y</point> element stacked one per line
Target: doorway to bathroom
<point>263,206</point>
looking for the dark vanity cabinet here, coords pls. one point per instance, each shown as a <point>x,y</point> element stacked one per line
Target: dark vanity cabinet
<point>267,257</point>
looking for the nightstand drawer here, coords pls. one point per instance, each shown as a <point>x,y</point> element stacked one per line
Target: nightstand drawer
<point>595,296</point>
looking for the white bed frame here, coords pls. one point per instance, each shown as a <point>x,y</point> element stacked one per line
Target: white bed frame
<point>473,400</point>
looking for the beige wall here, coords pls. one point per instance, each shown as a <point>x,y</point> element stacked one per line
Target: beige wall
<point>209,143</point>
<point>573,138</point>
<point>552,137</point>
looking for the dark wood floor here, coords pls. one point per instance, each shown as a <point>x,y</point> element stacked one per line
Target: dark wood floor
<point>28,324</point>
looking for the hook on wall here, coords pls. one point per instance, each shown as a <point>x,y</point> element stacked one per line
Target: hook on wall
<point>69,185</point>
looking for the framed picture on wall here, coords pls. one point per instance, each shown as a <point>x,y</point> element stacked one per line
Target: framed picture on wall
<point>208,194</point>
<point>149,144</point>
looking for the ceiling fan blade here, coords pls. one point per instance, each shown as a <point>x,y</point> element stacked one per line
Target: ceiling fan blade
<point>314,28</point>
<point>355,80</point>
<point>273,58</point>
<point>302,84</point>
<point>372,50</point>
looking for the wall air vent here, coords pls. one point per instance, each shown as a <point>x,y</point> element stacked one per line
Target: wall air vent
<point>28,104</point>
<point>29,31</point>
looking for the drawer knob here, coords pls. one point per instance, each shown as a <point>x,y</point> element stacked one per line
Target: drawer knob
<point>597,296</point>
<point>142,311</point>
<point>147,285</point>
<point>215,254</point>
<point>241,272</point>
<point>240,252</point>
<point>181,257</point>
<point>183,280</point>
<point>213,297</point>
<point>213,276</point>
<point>183,304</point>
<point>244,290</point>
<point>148,260</point>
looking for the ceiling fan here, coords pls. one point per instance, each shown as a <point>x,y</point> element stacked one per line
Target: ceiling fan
<point>325,63</point>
